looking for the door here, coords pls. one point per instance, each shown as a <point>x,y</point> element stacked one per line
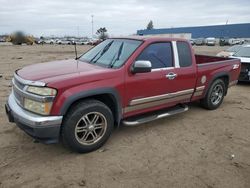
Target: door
<point>169,82</point>
<point>182,77</point>
<point>145,91</point>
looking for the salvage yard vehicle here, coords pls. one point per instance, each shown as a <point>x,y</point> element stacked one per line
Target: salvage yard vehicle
<point>234,41</point>
<point>210,41</point>
<point>230,51</point>
<point>20,38</point>
<point>224,41</point>
<point>199,41</point>
<point>49,41</point>
<point>126,81</point>
<point>244,55</point>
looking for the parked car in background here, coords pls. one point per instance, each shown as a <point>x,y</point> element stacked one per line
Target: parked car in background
<point>191,41</point>
<point>49,41</point>
<point>96,42</point>
<point>58,41</point>
<point>224,41</point>
<point>66,42</point>
<point>41,41</point>
<point>126,81</point>
<point>82,42</point>
<point>210,41</point>
<point>234,41</point>
<point>199,41</point>
<point>244,55</point>
<point>2,39</point>
<point>230,51</point>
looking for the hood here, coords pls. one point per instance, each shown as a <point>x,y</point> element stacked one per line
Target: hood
<point>58,69</point>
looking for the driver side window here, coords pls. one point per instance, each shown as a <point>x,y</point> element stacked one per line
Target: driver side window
<point>159,54</point>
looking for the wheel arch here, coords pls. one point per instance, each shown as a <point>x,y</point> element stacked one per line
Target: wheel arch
<point>224,76</point>
<point>108,96</point>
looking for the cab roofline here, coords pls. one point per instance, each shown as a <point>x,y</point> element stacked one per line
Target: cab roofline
<point>149,38</point>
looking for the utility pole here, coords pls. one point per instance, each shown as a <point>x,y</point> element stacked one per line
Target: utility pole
<point>92,22</point>
<point>78,31</point>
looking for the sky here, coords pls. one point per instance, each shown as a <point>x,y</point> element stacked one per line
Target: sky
<point>120,17</point>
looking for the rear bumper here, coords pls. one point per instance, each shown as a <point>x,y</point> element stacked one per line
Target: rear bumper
<point>43,128</point>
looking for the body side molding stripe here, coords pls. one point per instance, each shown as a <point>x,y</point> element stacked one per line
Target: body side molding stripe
<point>160,97</point>
<point>199,91</point>
<point>157,103</point>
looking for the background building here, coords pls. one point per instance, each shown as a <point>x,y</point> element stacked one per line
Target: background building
<point>217,31</point>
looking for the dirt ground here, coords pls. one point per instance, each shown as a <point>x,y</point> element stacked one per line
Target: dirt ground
<point>199,148</point>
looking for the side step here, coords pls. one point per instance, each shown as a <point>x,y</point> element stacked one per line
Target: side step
<point>133,121</point>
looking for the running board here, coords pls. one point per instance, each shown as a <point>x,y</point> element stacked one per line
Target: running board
<point>137,120</point>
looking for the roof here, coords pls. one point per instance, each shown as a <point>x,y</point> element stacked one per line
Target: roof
<point>149,38</point>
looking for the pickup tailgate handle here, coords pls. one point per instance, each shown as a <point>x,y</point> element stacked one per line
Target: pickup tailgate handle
<point>171,76</point>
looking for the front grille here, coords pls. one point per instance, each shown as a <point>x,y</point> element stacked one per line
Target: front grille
<point>245,67</point>
<point>18,98</point>
<point>19,91</point>
<point>18,86</point>
<point>244,73</point>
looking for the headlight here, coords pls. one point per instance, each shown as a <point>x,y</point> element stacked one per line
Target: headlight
<point>37,107</point>
<point>44,91</point>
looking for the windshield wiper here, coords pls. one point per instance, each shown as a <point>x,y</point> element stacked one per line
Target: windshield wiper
<point>112,62</point>
<point>105,49</point>
<point>91,61</point>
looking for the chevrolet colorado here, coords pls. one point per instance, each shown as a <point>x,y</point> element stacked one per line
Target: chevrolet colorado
<point>120,81</point>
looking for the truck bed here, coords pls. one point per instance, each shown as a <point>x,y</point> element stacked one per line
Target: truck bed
<point>212,67</point>
<point>202,59</point>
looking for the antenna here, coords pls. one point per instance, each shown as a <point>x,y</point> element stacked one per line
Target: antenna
<point>92,22</point>
<point>78,31</point>
<point>75,51</point>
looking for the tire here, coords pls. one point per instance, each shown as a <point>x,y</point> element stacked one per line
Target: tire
<point>79,133</point>
<point>215,95</point>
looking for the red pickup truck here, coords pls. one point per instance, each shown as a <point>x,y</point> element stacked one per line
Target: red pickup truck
<point>120,81</point>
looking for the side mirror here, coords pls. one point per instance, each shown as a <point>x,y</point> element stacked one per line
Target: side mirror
<point>141,67</point>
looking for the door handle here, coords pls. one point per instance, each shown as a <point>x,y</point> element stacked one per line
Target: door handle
<point>171,76</point>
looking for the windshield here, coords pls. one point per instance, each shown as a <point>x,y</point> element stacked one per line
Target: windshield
<point>243,52</point>
<point>111,53</point>
<point>234,48</point>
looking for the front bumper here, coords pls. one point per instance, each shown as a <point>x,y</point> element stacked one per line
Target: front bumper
<point>43,128</point>
<point>245,72</point>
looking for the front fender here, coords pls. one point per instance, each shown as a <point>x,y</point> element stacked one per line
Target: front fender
<point>91,93</point>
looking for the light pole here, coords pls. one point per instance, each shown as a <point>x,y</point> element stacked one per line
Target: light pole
<point>78,32</point>
<point>92,22</point>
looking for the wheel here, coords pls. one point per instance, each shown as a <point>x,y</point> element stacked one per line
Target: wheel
<point>87,126</point>
<point>215,95</point>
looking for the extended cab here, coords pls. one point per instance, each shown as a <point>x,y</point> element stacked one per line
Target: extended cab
<point>120,81</point>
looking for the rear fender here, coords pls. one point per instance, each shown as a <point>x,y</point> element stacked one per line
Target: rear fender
<point>215,77</point>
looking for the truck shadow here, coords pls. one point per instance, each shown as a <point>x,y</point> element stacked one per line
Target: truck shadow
<point>245,84</point>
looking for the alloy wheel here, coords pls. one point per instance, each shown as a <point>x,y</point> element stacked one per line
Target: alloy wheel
<point>90,128</point>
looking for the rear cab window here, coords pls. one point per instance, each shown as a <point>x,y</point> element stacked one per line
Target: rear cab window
<point>184,54</point>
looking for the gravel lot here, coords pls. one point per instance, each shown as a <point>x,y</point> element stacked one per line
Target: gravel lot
<point>199,148</point>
